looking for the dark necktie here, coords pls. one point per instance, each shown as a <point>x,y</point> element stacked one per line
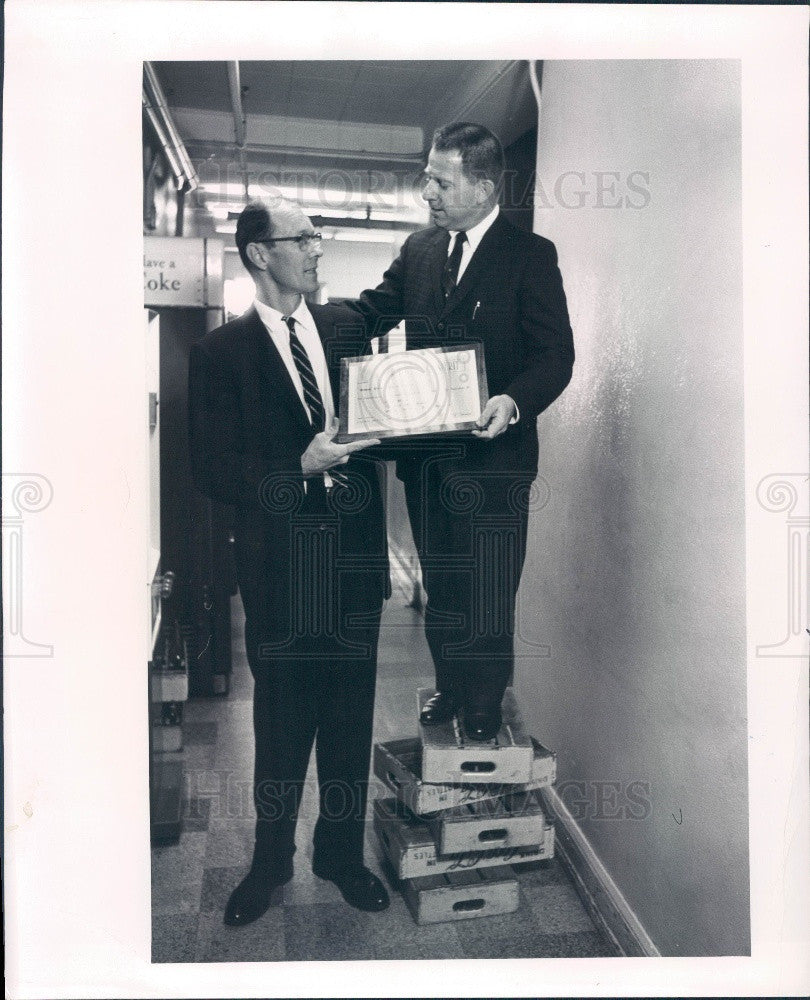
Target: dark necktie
<point>450,273</point>
<point>312,394</point>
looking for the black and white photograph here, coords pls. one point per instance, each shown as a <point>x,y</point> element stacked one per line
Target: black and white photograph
<point>358,174</point>
<point>442,498</point>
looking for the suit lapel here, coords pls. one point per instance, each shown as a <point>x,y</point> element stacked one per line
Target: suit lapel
<point>275,377</point>
<point>322,324</point>
<point>437,258</point>
<point>325,330</point>
<point>342,335</point>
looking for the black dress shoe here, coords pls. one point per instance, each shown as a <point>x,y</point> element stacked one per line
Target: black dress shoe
<point>358,886</point>
<point>438,708</point>
<point>251,898</point>
<point>482,724</point>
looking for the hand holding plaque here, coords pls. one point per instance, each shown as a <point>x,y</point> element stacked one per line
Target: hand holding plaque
<point>435,390</point>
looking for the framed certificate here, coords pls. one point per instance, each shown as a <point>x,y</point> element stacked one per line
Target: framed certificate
<point>435,390</point>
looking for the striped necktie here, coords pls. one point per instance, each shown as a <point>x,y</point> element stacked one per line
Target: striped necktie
<point>312,394</point>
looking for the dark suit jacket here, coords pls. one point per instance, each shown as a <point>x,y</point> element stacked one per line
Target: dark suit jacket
<point>247,432</point>
<point>511,299</point>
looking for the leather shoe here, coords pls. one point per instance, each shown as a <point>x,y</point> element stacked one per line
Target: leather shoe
<point>438,708</point>
<point>358,886</point>
<point>482,724</point>
<point>251,898</point>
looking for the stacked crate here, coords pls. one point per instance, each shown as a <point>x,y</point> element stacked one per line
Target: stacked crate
<point>461,814</point>
<point>168,684</point>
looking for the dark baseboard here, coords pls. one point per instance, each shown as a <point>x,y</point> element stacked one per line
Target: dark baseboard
<point>605,903</point>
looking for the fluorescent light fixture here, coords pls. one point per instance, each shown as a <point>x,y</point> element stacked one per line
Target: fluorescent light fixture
<point>348,213</point>
<point>368,236</point>
<point>220,209</point>
<point>402,205</point>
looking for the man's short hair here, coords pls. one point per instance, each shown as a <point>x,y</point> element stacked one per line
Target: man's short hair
<point>481,151</point>
<point>254,223</point>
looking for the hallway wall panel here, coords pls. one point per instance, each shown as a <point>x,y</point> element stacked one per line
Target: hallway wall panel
<point>635,576</point>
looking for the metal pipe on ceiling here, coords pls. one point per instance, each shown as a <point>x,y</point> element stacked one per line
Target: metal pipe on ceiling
<point>235,85</point>
<point>535,86</point>
<point>163,139</point>
<point>157,110</point>
<point>239,122</point>
<point>536,81</point>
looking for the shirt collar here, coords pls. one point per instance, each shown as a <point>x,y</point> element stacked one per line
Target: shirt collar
<point>476,233</point>
<point>273,319</point>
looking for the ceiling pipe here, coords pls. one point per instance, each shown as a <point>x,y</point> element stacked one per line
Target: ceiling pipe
<point>163,139</point>
<point>535,86</point>
<point>235,84</point>
<point>157,110</point>
<point>239,122</point>
<point>538,97</point>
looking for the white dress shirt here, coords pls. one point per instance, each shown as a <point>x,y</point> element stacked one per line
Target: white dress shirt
<point>307,333</point>
<point>474,236</point>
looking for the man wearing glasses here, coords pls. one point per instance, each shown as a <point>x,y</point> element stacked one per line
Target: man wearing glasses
<point>310,551</point>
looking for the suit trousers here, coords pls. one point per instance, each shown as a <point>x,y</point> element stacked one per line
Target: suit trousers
<point>314,684</point>
<point>469,527</point>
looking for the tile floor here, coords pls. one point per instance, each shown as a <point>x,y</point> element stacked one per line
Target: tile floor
<point>191,880</point>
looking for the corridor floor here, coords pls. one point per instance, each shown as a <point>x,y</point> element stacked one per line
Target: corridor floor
<point>191,880</point>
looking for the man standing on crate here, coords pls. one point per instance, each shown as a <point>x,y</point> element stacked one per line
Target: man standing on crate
<point>474,277</point>
<point>310,551</point>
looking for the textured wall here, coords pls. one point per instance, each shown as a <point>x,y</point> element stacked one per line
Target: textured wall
<point>635,573</point>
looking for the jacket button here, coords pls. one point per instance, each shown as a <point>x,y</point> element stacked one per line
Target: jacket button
<point>441,326</point>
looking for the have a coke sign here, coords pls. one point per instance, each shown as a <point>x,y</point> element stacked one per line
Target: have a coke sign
<point>182,272</point>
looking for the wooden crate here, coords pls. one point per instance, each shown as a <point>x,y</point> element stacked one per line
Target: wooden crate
<point>514,820</point>
<point>169,685</point>
<point>408,844</point>
<point>398,764</point>
<point>166,800</point>
<point>167,739</point>
<point>448,758</point>
<point>461,895</point>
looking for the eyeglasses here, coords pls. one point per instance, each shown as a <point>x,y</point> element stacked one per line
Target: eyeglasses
<point>306,241</point>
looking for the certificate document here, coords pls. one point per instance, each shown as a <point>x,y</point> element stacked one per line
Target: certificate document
<point>430,391</point>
